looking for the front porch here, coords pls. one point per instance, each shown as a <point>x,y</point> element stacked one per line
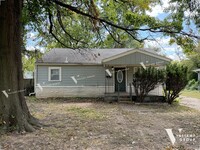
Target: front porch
<point>127,97</point>
<point>124,87</point>
<point>123,90</point>
<point>121,68</point>
<point>118,97</point>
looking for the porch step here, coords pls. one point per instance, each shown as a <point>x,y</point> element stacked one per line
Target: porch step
<point>126,102</point>
<point>110,98</point>
<point>115,99</point>
<point>125,99</point>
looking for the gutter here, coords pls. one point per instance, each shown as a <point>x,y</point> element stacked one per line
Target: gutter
<point>67,64</point>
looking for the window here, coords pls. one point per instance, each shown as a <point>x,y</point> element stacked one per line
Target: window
<point>54,73</point>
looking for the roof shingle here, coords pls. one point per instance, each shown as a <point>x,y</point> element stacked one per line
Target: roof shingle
<point>83,56</point>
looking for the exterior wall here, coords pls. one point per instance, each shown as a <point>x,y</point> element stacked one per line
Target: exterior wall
<point>157,91</point>
<point>76,91</point>
<point>85,75</point>
<point>130,72</point>
<point>90,82</point>
<point>135,59</point>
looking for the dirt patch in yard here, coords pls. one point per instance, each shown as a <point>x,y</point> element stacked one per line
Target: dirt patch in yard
<point>98,125</point>
<point>190,102</point>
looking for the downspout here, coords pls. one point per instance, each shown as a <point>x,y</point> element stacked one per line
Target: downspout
<point>105,79</point>
<point>36,77</point>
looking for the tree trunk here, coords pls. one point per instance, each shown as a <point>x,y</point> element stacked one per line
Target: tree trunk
<point>13,107</point>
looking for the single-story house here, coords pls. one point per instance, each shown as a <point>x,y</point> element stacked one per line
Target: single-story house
<point>65,72</point>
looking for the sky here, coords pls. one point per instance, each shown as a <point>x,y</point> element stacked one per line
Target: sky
<point>172,51</point>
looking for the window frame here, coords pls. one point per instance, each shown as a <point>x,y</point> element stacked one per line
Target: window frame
<point>49,73</point>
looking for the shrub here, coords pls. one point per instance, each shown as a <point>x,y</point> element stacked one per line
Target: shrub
<point>192,85</point>
<point>176,80</point>
<point>145,80</point>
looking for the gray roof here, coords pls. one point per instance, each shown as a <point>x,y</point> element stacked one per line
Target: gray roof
<point>83,56</point>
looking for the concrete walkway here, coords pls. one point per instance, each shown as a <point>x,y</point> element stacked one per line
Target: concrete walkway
<point>190,102</point>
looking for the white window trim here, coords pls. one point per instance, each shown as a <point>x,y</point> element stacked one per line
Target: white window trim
<point>49,75</point>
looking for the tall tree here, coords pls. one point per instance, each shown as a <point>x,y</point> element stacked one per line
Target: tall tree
<point>41,15</point>
<point>13,107</point>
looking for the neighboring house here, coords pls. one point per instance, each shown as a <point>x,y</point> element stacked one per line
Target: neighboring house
<point>198,72</point>
<point>91,73</point>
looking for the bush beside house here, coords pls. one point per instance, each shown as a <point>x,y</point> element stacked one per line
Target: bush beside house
<point>145,80</point>
<point>174,79</point>
<point>192,85</point>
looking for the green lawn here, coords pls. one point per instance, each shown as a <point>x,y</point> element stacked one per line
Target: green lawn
<point>194,94</point>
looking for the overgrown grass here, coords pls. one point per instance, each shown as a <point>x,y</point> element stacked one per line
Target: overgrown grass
<point>86,113</point>
<point>188,93</point>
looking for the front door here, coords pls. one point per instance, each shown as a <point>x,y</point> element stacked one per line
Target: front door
<point>120,80</point>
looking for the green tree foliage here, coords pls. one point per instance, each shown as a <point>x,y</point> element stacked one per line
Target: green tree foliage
<point>94,23</point>
<point>192,85</point>
<point>70,29</point>
<point>145,80</point>
<point>185,12</point>
<point>192,62</point>
<point>29,58</point>
<point>191,66</point>
<point>28,63</point>
<point>194,56</point>
<point>176,80</point>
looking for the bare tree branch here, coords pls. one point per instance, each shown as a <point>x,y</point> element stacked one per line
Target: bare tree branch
<point>111,34</point>
<point>51,30</point>
<point>62,26</point>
